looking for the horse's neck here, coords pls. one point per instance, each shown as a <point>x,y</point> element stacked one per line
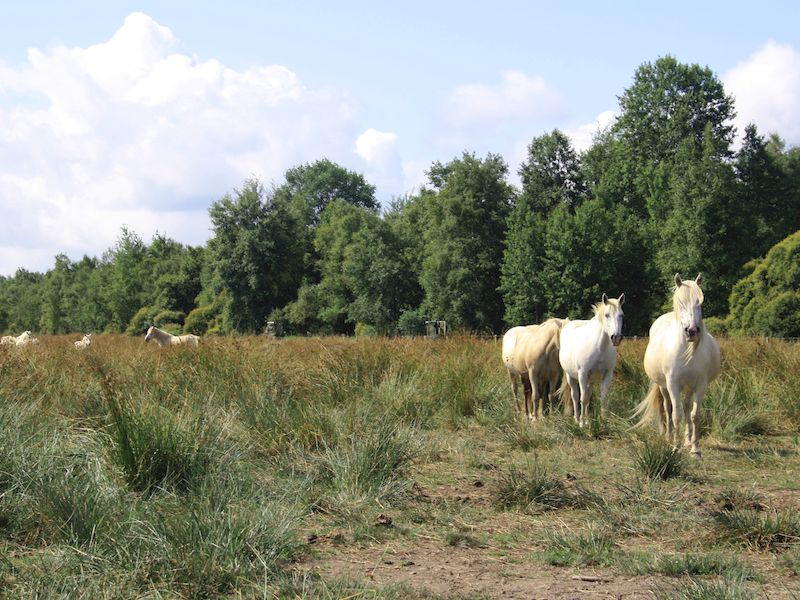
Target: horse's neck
<point>599,333</point>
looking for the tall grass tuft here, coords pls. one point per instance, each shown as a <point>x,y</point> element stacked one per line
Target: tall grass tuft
<point>368,469</point>
<point>698,589</point>
<point>159,449</point>
<point>591,548</point>
<point>655,458</point>
<point>535,490</point>
<point>761,530</point>
<point>735,408</point>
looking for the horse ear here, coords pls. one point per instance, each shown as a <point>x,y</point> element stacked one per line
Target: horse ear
<point>699,279</point>
<point>621,299</point>
<point>605,299</point>
<point>677,280</point>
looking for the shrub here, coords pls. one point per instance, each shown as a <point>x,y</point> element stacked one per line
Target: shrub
<point>201,319</point>
<point>140,321</point>
<point>166,317</point>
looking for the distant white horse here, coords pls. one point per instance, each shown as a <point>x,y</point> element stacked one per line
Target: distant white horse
<point>23,339</point>
<point>588,352</point>
<point>530,353</point>
<point>681,357</point>
<point>167,339</point>
<point>85,342</point>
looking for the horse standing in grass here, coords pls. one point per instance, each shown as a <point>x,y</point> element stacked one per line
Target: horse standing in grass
<point>681,358</point>
<point>84,343</point>
<point>530,353</point>
<point>163,338</point>
<point>23,339</point>
<point>588,352</point>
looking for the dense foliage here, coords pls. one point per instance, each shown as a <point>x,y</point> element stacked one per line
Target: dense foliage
<point>662,190</point>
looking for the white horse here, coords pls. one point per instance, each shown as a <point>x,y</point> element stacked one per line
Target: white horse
<point>681,357</point>
<point>588,352</point>
<point>23,339</point>
<point>167,339</point>
<point>85,342</point>
<point>530,353</point>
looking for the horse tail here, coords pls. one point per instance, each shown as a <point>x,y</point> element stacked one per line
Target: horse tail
<point>565,395</point>
<point>650,409</point>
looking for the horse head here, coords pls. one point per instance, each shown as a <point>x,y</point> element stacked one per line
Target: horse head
<point>687,302</point>
<point>611,316</point>
<point>149,335</point>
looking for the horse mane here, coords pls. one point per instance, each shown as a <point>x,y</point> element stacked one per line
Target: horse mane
<point>685,293</point>
<point>688,292</point>
<point>599,312</point>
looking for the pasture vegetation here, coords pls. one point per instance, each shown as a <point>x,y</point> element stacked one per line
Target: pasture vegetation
<point>381,468</point>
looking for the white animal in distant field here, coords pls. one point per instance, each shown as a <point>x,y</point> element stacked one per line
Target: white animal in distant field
<point>589,351</point>
<point>530,353</point>
<point>23,339</point>
<point>85,342</point>
<point>167,339</point>
<point>681,358</point>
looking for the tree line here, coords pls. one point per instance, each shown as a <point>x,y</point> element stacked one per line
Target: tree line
<point>662,190</point>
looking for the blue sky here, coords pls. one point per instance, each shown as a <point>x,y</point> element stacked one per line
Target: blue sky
<point>141,114</point>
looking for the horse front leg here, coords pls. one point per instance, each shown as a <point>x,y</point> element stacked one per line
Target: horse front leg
<point>575,393</point>
<point>586,396</point>
<point>673,433</point>
<point>604,385</point>
<point>692,422</point>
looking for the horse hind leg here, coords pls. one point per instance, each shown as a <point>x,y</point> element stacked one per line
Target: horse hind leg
<point>528,393</point>
<point>514,393</point>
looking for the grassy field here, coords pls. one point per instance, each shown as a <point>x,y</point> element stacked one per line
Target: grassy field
<point>382,468</point>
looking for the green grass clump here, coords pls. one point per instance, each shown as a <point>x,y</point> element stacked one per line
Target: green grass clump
<point>699,589</point>
<point>534,490</point>
<point>590,548</point>
<point>655,458</point>
<point>775,530</point>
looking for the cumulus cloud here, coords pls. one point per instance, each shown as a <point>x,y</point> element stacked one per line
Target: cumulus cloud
<point>582,136</point>
<point>517,96</point>
<point>131,132</point>
<point>766,89</point>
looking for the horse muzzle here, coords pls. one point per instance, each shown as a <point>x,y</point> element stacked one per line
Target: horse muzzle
<point>616,339</point>
<point>691,333</point>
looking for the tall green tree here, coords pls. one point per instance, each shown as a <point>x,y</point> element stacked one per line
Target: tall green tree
<point>312,186</point>
<point>464,241</point>
<point>256,253</point>
<point>551,178</point>
<point>765,192</point>
<point>597,250</point>
<point>128,278</point>
<point>705,218</point>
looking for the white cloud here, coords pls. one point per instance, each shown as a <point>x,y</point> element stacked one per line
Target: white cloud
<point>376,147</point>
<point>766,89</point>
<point>582,136</point>
<point>517,96</point>
<point>130,132</point>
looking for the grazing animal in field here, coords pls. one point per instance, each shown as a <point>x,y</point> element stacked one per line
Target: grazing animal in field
<point>163,338</point>
<point>84,343</point>
<point>530,353</point>
<point>589,351</point>
<point>23,339</point>
<point>681,359</point>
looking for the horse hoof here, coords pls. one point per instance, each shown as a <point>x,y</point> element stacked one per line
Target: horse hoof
<point>696,453</point>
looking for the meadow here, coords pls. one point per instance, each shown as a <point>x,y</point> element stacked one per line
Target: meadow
<point>382,468</point>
